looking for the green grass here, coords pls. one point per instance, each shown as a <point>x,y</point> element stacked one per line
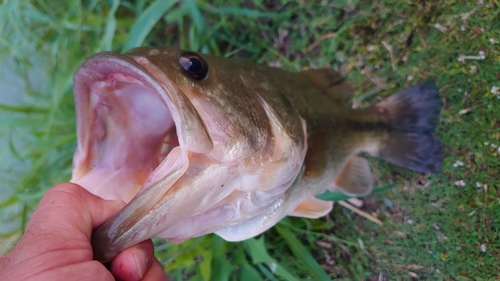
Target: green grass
<point>433,229</point>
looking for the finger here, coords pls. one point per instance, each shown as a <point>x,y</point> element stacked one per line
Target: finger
<point>89,270</point>
<point>133,263</point>
<point>59,231</point>
<point>155,272</point>
<point>64,220</point>
<point>71,207</point>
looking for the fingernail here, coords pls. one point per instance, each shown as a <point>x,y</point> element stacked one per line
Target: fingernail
<point>141,261</point>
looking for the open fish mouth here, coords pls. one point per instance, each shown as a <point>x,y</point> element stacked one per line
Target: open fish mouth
<point>132,133</point>
<point>128,129</point>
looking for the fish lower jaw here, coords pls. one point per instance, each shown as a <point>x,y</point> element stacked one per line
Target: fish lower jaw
<point>113,179</point>
<point>101,182</point>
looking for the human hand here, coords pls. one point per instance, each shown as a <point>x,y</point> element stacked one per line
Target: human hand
<point>56,244</point>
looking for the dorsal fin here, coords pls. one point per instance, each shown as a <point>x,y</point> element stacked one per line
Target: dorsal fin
<point>332,83</point>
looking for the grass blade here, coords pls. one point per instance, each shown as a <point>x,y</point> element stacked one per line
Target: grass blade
<point>249,273</point>
<point>26,109</point>
<point>301,253</point>
<point>336,196</point>
<point>109,30</point>
<point>238,12</point>
<point>223,266</point>
<point>259,254</point>
<point>206,264</point>
<point>267,273</point>
<point>145,23</point>
<point>196,15</point>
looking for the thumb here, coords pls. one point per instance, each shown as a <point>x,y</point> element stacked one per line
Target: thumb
<point>68,208</point>
<point>61,226</point>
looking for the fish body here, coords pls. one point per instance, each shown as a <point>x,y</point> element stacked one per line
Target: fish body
<point>199,144</point>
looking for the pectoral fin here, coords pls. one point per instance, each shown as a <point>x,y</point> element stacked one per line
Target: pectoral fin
<point>355,178</point>
<point>312,208</point>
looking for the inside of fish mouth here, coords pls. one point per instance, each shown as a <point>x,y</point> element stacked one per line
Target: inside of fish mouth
<point>133,131</point>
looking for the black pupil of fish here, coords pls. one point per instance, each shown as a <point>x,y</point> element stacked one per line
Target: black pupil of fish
<point>194,66</point>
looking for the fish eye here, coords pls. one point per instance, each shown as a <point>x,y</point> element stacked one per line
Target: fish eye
<point>194,65</point>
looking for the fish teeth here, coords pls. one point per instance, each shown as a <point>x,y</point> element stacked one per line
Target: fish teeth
<point>169,142</point>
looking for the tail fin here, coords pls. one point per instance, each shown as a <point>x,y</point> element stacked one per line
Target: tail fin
<point>412,115</point>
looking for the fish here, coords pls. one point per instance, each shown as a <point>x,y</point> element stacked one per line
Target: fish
<point>198,144</point>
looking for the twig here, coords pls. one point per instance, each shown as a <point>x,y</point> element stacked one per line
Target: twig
<point>467,110</point>
<point>375,80</point>
<point>391,53</point>
<point>315,43</point>
<point>360,212</point>
<point>355,202</point>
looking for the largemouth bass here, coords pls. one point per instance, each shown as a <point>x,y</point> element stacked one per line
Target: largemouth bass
<point>198,144</point>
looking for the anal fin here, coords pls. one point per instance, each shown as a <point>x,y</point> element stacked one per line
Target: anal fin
<point>355,178</point>
<point>312,208</point>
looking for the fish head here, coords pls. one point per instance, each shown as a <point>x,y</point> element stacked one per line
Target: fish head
<point>192,143</point>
